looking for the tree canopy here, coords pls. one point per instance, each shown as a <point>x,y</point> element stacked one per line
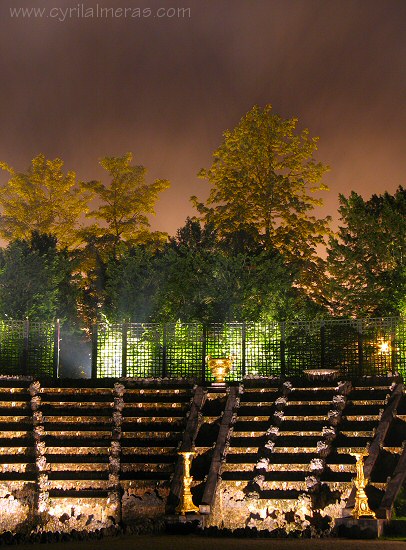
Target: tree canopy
<point>264,179</point>
<point>367,258</point>
<point>124,204</point>
<point>44,199</point>
<point>36,280</point>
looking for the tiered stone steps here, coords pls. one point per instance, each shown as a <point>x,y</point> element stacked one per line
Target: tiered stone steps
<point>59,442</point>
<point>360,418</point>
<point>77,424</point>
<point>153,422</point>
<point>17,460</point>
<point>256,408</point>
<point>305,415</point>
<point>388,463</point>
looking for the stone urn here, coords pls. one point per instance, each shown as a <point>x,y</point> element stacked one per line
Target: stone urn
<point>220,367</point>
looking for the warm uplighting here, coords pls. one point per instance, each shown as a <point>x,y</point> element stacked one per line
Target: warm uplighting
<point>384,347</point>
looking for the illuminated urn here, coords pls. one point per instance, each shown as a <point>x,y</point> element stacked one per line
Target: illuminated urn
<point>220,367</point>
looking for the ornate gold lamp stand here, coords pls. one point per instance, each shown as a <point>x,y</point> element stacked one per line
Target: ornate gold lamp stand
<point>361,508</point>
<point>186,503</point>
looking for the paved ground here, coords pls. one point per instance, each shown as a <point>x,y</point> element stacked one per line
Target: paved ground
<point>190,542</point>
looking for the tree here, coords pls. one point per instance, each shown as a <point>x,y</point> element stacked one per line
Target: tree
<point>124,204</point>
<point>131,285</point>
<point>263,179</point>
<point>367,259</point>
<point>35,280</point>
<point>123,207</point>
<point>43,199</point>
<point>202,278</point>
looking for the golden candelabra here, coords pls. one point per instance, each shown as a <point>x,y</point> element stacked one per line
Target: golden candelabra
<point>219,367</point>
<point>186,503</point>
<point>361,507</point>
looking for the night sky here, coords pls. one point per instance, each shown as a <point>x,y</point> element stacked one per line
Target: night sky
<point>165,88</point>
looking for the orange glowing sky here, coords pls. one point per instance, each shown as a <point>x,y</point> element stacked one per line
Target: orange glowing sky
<point>167,88</point>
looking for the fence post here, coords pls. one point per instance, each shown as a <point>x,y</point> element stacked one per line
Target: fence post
<point>283,348</point>
<point>57,339</point>
<point>393,357</point>
<point>164,353</point>
<point>26,333</point>
<point>323,344</point>
<point>124,329</point>
<point>243,349</point>
<point>94,351</point>
<point>360,348</point>
<point>204,353</point>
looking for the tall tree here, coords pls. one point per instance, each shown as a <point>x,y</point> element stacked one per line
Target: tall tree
<point>367,258</point>
<point>205,279</point>
<point>131,285</point>
<point>43,199</point>
<point>124,205</point>
<point>263,182</point>
<point>36,280</point>
<point>126,202</point>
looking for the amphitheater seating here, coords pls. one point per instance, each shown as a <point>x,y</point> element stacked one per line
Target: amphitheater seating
<point>283,440</point>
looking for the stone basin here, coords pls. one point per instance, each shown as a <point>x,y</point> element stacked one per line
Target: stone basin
<point>322,374</point>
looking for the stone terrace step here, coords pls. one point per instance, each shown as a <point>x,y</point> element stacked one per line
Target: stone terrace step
<point>154,408</point>
<point>253,424</point>
<point>18,476</point>
<point>311,396</point>
<point>18,467</point>
<point>305,417</point>
<point>379,392</point>
<point>74,459</point>
<point>303,410</point>
<point>76,492</point>
<point>10,407</point>
<point>147,451</point>
<point>362,410</point>
<point>296,441</point>
<point>305,425</point>
<point>75,474</point>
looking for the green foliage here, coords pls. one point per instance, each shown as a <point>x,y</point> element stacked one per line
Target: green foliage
<point>132,284</point>
<point>399,509</point>
<point>124,204</point>
<point>366,261</point>
<point>263,178</point>
<point>34,280</point>
<point>43,199</point>
<point>198,278</point>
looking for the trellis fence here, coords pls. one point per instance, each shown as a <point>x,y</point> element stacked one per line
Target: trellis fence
<point>357,347</point>
<point>29,348</point>
<point>174,350</point>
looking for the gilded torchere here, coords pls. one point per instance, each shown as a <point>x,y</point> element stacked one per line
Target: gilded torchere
<point>361,508</point>
<point>186,503</point>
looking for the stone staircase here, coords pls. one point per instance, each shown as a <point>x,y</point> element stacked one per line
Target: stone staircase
<point>270,454</point>
<point>153,421</point>
<point>16,442</point>
<point>17,458</point>
<point>209,428</point>
<point>83,457</point>
<point>77,436</point>
<point>289,453</point>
